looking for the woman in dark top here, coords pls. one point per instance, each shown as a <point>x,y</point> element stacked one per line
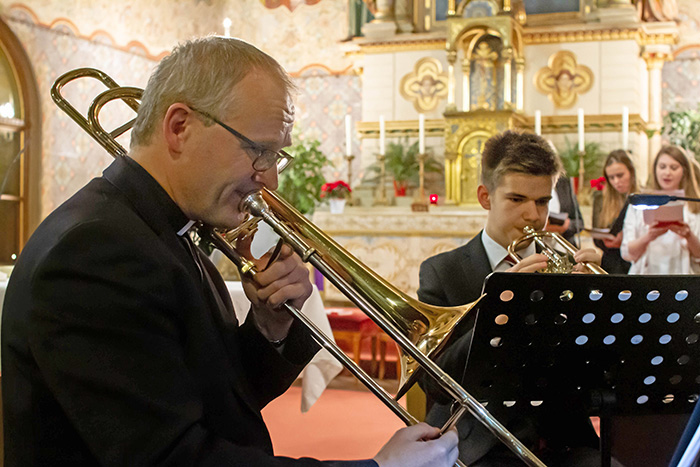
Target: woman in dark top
<point>610,205</point>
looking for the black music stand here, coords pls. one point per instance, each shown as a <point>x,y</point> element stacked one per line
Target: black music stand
<point>618,346</point>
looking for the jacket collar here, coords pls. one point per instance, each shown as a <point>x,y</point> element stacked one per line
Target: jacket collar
<point>151,201</point>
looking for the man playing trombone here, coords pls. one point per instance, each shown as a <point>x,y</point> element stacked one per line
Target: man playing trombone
<point>119,342</point>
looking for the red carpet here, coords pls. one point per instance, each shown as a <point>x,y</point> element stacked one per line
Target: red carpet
<point>341,425</point>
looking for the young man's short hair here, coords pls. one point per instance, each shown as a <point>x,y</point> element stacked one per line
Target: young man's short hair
<point>513,151</point>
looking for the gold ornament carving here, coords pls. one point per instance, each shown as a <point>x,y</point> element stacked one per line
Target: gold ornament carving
<point>425,85</point>
<point>564,79</point>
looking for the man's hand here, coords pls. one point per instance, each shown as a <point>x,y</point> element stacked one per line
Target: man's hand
<point>586,255</point>
<point>285,280</point>
<point>532,263</point>
<point>419,446</point>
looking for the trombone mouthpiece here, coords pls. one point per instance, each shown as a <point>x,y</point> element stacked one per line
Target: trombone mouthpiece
<point>254,204</point>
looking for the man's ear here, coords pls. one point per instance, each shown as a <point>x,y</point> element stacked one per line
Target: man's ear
<point>484,197</point>
<point>176,122</point>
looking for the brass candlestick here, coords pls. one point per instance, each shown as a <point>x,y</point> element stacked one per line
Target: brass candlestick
<point>381,200</point>
<point>351,199</point>
<point>420,202</point>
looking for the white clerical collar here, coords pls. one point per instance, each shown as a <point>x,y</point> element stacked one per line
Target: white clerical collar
<point>497,253</point>
<point>184,229</point>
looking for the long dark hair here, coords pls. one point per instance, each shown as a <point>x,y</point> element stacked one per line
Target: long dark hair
<point>613,200</point>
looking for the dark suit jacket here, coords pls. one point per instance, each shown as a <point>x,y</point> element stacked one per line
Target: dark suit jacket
<point>456,278</point>
<point>569,205</point>
<point>115,352</point>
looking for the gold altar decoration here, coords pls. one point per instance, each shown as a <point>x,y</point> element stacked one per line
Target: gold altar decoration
<point>564,79</point>
<point>493,63</point>
<point>426,85</point>
<point>401,128</point>
<point>485,67</point>
<point>465,135</point>
<point>604,123</point>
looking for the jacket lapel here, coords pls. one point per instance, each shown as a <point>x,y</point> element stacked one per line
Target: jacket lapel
<point>475,266</point>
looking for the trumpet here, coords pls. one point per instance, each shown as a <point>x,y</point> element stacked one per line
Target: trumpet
<point>420,330</point>
<point>556,262</point>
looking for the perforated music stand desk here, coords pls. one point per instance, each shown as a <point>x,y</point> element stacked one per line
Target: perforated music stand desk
<point>619,345</point>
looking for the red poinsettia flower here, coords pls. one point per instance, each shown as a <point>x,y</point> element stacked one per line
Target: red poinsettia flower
<point>598,183</point>
<point>336,190</point>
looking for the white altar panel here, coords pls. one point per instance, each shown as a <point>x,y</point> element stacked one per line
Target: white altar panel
<point>320,370</point>
<point>394,241</point>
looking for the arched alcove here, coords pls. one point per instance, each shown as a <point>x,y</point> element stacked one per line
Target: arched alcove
<point>20,147</point>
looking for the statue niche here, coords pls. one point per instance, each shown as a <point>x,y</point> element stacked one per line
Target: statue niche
<point>484,74</point>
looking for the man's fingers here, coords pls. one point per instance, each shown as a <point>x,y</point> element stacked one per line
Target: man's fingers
<point>420,431</point>
<point>532,263</point>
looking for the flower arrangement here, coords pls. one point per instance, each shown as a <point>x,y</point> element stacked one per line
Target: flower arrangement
<point>598,183</point>
<point>335,190</point>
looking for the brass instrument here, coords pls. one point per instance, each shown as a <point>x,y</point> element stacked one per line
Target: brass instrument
<point>556,262</point>
<point>419,329</point>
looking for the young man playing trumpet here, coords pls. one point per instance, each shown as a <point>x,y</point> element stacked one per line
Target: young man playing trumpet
<point>518,173</point>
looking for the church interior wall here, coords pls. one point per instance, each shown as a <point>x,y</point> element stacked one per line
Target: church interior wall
<point>127,38</point>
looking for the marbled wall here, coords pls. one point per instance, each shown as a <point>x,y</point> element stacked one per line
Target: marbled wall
<point>126,39</point>
<point>681,76</point>
<point>69,156</point>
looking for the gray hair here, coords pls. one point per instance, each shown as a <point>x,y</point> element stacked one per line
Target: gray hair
<point>202,73</point>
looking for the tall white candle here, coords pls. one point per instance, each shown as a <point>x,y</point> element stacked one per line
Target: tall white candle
<point>538,123</point>
<point>227,27</point>
<point>625,127</point>
<point>348,135</point>
<point>421,134</point>
<point>381,135</point>
<point>581,144</point>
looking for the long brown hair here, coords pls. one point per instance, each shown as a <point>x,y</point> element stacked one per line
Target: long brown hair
<point>691,173</point>
<point>613,200</point>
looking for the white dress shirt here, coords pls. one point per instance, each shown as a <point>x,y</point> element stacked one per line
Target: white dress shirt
<point>497,254</point>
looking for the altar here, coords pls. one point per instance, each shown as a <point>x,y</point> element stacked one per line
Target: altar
<point>393,241</point>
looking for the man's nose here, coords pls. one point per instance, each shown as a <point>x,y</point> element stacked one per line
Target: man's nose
<point>531,213</point>
<point>268,178</point>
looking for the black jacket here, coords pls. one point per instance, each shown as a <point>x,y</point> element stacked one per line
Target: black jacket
<point>456,278</point>
<point>114,351</point>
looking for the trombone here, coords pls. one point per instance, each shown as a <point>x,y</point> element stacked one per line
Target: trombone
<point>419,329</point>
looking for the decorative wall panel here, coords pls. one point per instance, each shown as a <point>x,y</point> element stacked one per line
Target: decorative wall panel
<point>70,158</point>
<point>322,104</point>
<point>681,81</point>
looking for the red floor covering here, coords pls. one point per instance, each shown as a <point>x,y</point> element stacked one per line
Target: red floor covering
<point>341,425</point>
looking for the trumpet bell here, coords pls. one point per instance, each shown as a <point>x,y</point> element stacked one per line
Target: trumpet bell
<point>556,262</point>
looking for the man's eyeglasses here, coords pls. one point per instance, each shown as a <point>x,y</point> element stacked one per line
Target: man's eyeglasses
<point>263,159</point>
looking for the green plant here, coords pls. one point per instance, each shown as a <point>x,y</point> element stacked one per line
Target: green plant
<point>401,163</point>
<point>683,129</point>
<point>301,183</point>
<point>593,160</point>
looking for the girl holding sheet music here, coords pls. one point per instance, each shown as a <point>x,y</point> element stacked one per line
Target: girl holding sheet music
<point>669,247</point>
<point>610,206</point>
